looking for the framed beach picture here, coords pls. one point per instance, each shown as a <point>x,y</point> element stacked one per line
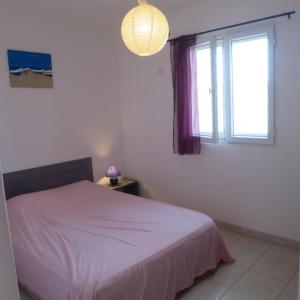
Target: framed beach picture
<point>30,69</point>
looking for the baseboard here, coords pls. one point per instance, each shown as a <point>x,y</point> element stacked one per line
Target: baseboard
<point>259,235</point>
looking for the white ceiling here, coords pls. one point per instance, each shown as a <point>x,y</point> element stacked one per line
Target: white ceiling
<point>108,6</point>
<point>122,4</point>
<point>92,11</point>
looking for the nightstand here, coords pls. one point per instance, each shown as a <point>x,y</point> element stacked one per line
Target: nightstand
<point>125,185</point>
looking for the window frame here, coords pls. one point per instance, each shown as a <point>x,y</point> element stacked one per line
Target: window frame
<point>227,53</point>
<point>226,38</point>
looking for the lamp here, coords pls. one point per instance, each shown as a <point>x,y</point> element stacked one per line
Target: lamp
<point>113,173</point>
<point>145,29</point>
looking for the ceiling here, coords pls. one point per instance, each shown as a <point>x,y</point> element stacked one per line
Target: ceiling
<point>108,6</point>
<point>122,4</point>
<point>92,11</point>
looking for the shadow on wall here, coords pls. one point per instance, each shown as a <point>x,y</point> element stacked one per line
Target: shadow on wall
<point>145,192</point>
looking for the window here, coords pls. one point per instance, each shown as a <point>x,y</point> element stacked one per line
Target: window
<point>235,87</point>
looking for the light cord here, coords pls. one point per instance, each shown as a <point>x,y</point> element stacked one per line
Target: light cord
<point>142,2</point>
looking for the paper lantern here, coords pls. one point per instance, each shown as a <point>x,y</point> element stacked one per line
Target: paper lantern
<point>145,29</point>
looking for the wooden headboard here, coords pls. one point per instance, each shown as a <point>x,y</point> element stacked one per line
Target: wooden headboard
<point>47,177</point>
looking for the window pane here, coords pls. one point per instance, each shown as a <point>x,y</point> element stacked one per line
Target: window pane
<point>204,90</point>
<point>250,86</point>
<point>220,84</point>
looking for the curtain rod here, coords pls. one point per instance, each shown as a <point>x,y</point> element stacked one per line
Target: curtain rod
<point>286,14</point>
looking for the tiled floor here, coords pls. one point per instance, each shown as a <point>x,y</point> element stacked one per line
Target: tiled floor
<point>263,271</point>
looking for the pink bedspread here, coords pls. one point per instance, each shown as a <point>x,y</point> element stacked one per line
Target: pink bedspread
<point>83,241</point>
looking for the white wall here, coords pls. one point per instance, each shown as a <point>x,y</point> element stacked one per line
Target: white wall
<point>80,116</point>
<point>8,280</point>
<point>248,185</point>
<point>253,186</point>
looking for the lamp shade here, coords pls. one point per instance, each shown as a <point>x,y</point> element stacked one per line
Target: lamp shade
<point>112,172</point>
<point>145,29</point>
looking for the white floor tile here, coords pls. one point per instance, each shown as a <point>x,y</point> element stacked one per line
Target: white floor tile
<point>284,253</point>
<point>232,295</point>
<point>228,274</point>
<point>255,285</point>
<point>295,278</point>
<point>205,290</point>
<point>289,293</point>
<point>247,251</point>
<point>230,238</point>
<point>253,244</point>
<point>279,268</point>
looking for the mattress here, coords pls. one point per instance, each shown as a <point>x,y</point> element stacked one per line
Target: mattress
<point>86,242</point>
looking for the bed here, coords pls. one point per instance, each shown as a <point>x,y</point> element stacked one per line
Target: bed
<point>75,240</point>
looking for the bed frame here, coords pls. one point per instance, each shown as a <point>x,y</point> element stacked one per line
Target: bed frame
<point>47,177</point>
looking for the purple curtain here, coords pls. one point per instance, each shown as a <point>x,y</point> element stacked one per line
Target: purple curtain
<point>186,138</point>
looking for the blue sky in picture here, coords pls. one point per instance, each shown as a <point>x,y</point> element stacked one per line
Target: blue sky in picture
<point>36,62</point>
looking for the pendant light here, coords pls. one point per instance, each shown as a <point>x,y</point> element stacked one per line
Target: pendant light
<point>145,29</point>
